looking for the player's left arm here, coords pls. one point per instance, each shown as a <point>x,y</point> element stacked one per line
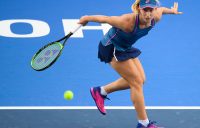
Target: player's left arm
<point>163,10</point>
<point>173,10</point>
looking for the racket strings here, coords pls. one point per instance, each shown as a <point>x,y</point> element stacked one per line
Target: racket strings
<point>46,56</point>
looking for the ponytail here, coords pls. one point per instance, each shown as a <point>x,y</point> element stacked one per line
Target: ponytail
<point>135,6</point>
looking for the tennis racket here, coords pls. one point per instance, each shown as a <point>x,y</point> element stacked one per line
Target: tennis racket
<point>48,54</point>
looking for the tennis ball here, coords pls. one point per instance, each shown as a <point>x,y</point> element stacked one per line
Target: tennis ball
<point>68,95</point>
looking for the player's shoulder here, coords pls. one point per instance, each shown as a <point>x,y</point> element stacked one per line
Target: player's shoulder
<point>129,21</point>
<point>128,16</point>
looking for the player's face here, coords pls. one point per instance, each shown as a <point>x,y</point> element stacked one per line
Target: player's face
<point>147,14</point>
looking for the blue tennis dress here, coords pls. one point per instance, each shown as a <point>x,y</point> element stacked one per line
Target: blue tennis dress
<point>118,44</point>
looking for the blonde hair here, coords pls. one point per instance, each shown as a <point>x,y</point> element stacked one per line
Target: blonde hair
<point>135,6</point>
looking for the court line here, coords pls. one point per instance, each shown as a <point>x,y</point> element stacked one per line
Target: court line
<point>94,107</point>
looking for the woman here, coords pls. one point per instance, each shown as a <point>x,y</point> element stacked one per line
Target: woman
<point>116,49</point>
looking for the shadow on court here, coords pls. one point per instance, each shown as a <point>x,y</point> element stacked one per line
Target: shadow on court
<point>93,119</point>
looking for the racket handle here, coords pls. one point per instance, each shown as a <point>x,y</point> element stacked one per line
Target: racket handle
<point>77,28</point>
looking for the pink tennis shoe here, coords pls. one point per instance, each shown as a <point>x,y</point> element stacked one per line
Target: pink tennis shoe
<point>99,99</point>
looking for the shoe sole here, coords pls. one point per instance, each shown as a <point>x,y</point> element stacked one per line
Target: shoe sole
<point>91,92</point>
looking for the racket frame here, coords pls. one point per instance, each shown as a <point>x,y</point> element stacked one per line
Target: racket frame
<point>55,42</point>
<point>62,46</point>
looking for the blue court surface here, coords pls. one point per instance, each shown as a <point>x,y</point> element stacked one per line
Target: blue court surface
<point>170,55</point>
<point>92,119</point>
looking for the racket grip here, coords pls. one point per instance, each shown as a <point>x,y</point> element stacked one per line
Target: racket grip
<point>77,28</point>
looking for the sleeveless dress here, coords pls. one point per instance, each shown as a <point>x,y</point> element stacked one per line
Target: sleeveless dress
<point>119,44</point>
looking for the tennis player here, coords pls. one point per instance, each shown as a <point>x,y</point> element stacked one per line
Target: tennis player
<point>116,48</point>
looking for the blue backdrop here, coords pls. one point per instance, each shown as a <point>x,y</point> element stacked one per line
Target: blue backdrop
<point>170,56</point>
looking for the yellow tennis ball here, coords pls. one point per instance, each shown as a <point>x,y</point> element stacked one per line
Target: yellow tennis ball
<point>68,95</point>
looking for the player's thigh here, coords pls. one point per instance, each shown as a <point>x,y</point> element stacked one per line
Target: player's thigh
<point>128,70</point>
<point>140,68</point>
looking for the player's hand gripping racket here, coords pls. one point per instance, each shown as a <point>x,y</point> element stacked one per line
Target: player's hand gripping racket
<point>48,54</point>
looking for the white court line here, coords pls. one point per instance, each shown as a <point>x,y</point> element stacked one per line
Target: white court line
<point>93,107</point>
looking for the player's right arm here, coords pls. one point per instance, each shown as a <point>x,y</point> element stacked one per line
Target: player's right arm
<point>122,22</point>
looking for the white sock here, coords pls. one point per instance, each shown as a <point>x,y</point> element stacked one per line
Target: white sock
<point>103,92</point>
<point>144,122</point>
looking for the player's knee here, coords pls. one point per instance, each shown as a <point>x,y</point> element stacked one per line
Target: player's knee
<point>137,82</point>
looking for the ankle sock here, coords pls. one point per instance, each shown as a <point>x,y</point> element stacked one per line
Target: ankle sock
<point>103,92</point>
<point>144,122</point>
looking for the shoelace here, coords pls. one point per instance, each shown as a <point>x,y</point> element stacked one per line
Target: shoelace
<point>152,122</point>
<point>105,97</point>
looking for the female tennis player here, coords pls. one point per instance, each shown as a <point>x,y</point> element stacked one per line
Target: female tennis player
<point>116,48</point>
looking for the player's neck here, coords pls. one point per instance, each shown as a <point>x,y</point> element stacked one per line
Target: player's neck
<point>143,24</point>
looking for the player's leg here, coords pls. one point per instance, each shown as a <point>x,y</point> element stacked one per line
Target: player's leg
<point>121,83</point>
<point>128,70</point>
<point>140,68</point>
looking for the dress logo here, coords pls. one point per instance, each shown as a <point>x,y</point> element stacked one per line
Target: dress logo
<point>147,1</point>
